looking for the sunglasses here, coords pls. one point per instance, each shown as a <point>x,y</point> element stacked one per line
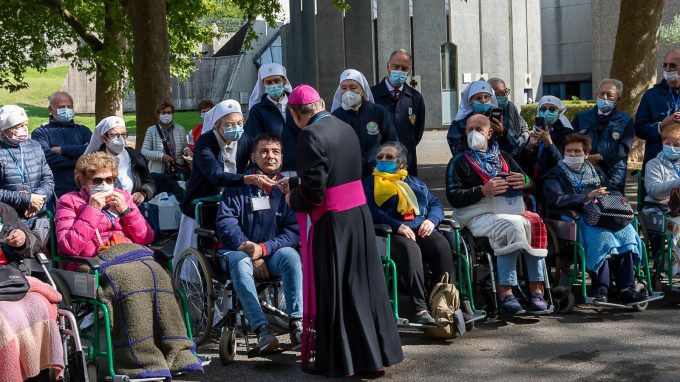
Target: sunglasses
<point>551,108</point>
<point>108,180</point>
<point>669,65</point>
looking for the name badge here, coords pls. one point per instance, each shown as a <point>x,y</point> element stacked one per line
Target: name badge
<point>260,203</point>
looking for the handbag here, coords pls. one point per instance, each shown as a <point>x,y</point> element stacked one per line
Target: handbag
<point>13,283</point>
<point>674,202</point>
<point>608,211</point>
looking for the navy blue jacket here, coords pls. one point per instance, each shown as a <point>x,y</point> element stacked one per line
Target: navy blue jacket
<point>72,139</point>
<point>265,117</point>
<point>429,205</point>
<point>276,227</point>
<point>407,114</point>
<point>207,171</point>
<point>373,127</point>
<point>612,138</point>
<point>559,193</point>
<point>656,104</point>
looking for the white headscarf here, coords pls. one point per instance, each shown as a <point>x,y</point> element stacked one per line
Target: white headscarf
<point>476,87</point>
<point>552,100</point>
<point>218,111</point>
<point>265,71</point>
<point>11,115</point>
<point>100,130</point>
<point>351,74</point>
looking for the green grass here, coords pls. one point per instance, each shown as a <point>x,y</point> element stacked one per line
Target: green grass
<point>42,84</point>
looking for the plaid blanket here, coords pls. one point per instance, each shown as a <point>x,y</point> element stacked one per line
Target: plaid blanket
<point>539,234</point>
<point>29,334</point>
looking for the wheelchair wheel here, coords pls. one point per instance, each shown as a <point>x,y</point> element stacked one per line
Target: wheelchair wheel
<point>194,284</point>
<point>227,346</point>
<point>274,296</point>
<point>640,287</point>
<point>66,301</point>
<point>92,371</point>
<point>564,300</point>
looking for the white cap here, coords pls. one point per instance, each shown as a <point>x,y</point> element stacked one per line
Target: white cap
<point>218,111</point>
<point>352,74</point>
<point>12,115</point>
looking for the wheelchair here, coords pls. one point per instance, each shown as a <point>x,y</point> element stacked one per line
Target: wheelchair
<point>79,296</point>
<point>202,286</point>
<point>573,274</point>
<point>657,232</point>
<point>450,230</point>
<point>75,358</point>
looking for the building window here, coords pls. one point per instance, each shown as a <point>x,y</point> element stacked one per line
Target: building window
<point>449,69</point>
<point>567,90</point>
<point>273,53</point>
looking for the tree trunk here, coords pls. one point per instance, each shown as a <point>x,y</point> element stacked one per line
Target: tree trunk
<point>151,60</point>
<point>635,50</point>
<point>108,91</point>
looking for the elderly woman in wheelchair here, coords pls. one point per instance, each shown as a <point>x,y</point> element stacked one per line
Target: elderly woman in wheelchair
<point>404,203</point>
<point>486,188</point>
<point>101,222</point>
<point>568,186</point>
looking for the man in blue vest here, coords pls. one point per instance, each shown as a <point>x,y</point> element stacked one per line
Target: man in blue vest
<point>405,104</point>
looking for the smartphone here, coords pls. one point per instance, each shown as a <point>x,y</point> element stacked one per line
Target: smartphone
<point>497,114</point>
<point>540,122</point>
<point>502,175</point>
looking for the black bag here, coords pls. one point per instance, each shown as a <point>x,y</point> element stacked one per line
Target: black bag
<point>13,283</point>
<point>608,211</point>
<point>674,202</point>
<point>171,168</point>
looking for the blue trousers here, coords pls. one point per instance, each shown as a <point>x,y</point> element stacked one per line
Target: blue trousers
<point>507,268</point>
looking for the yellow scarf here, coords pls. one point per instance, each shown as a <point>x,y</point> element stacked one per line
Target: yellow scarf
<point>387,185</point>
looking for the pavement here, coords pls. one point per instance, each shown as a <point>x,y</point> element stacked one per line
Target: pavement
<point>587,344</point>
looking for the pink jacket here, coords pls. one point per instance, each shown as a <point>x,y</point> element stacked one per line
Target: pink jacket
<point>76,224</point>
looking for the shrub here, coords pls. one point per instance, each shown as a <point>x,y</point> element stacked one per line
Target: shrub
<point>574,107</point>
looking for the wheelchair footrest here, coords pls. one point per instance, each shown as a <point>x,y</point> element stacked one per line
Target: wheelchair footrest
<point>550,310</point>
<point>204,359</point>
<point>477,316</point>
<point>255,352</point>
<point>654,297</point>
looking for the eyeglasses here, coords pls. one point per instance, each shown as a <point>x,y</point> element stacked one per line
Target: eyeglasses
<point>385,157</point>
<point>108,180</point>
<point>551,108</point>
<point>669,65</point>
<point>503,93</point>
<point>115,136</point>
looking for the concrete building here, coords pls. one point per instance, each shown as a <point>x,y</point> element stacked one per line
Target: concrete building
<point>453,43</point>
<point>578,44</point>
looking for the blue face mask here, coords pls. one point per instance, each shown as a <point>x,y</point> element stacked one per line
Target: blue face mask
<point>605,105</point>
<point>480,108</point>
<point>398,78</point>
<point>233,134</point>
<point>274,91</point>
<point>385,166</point>
<point>671,152</point>
<point>65,115</point>
<point>502,101</point>
<point>550,116</point>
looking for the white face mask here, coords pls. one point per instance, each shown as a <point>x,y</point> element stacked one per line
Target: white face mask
<point>116,145</point>
<point>350,100</point>
<point>670,76</point>
<point>574,163</point>
<point>104,187</point>
<point>476,140</point>
<point>166,118</point>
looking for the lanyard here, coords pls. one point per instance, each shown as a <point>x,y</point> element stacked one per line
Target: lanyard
<point>540,149</point>
<point>677,171</point>
<point>21,165</point>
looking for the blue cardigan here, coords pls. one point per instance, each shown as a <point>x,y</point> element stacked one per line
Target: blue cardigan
<point>430,207</point>
<point>237,222</point>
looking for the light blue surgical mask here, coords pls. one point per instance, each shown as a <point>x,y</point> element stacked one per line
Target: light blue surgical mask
<point>274,91</point>
<point>502,101</point>
<point>234,133</point>
<point>65,114</point>
<point>671,152</point>
<point>480,108</point>
<point>550,116</point>
<point>605,105</point>
<point>386,166</point>
<point>398,78</point>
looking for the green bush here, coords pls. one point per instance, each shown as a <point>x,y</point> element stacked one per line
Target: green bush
<point>573,107</point>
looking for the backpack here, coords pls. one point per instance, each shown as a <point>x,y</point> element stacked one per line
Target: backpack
<point>445,309</point>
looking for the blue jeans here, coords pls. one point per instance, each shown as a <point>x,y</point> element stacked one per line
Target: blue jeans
<point>284,263</point>
<point>507,268</point>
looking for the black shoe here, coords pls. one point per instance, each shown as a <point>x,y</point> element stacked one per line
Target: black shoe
<point>631,296</point>
<point>424,318</point>
<point>295,335</point>
<point>600,298</point>
<point>266,341</point>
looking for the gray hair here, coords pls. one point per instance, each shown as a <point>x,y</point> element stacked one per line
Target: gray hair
<point>495,80</point>
<point>54,96</point>
<point>612,81</point>
<point>309,108</point>
<point>401,51</point>
<point>402,152</point>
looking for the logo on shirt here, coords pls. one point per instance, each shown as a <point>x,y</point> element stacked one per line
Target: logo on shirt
<point>616,135</point>
<point>372,128</point>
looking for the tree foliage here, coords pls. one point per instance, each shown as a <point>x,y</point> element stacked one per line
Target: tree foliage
<point>670,33</point>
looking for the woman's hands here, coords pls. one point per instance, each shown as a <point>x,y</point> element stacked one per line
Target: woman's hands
<point>138,198</point>
<point>261,181</point>
<point>16,238</point>
<point>113,199</point>
<point>595,193</point>
<point>426,228</point>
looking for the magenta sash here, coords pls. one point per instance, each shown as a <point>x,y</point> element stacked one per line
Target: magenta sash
<point>337,199</point>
